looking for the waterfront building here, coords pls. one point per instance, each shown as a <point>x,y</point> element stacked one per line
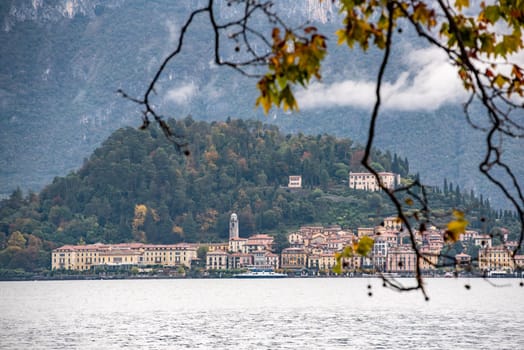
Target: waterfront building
<point>322,262</point>
<point>272,260</point>
<point>495,258</point>
<point>72,257</point>
<point>169,254</point>
<point>265,259</point>
<point>379,253</point>
<point>293,258</point>
<point>401,259</point>
<point>86,257</point>
<point>217,260</point>
<point>120,256</point>
<point>239,260</point>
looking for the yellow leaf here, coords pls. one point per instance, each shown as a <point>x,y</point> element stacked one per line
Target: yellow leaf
<point>456,227</point>
<point>341,36</point>
<point>458,214</point>
<point>347,252</point>
<point>265,102</point>
<point>337,268</point>
<point>364,246</point>
<point>459,4</point>
<point>500,80</point>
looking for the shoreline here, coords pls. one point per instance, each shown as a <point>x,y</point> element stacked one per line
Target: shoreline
<point>158,277</point>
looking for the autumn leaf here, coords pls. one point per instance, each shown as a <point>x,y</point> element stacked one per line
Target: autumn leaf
<point>459,4</point>
<point>365,244</point>
<point>456,227</point>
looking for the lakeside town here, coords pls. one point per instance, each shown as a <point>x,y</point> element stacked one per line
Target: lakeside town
<point>310,251</point>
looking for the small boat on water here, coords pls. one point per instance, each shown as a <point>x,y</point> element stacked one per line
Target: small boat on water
<point>260,273</point>
<point>498,274</point>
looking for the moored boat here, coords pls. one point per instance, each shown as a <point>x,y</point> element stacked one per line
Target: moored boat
<point>259,273</point>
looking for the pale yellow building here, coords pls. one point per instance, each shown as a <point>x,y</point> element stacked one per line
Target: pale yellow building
<point>85,257</point>
<point>495,258</point>
<point>118,256</point>
<point>293,258</point>
<point>169,254</point>
<point>217,260</point>
<point>322,262</point>
<point>75,257</point>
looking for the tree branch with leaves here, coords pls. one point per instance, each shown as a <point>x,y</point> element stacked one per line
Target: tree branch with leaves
<point>479,40</point>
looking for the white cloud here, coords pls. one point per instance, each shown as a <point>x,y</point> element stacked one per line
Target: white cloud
<point>182,94</point>
<point>429,82</point>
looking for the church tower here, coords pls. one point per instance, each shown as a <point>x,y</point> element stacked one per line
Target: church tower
<point>233,226</point>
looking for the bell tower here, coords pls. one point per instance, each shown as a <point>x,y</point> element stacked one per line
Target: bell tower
<point>233,226</point>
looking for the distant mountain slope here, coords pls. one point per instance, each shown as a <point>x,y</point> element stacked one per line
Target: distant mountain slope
<point>62,61</point>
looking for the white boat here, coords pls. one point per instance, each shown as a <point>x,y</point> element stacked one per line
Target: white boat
<point>498,273</point>
<point>254,273</point>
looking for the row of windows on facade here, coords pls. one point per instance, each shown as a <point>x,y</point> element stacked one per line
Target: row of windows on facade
<point>146,253</point>
<point>118,259</point>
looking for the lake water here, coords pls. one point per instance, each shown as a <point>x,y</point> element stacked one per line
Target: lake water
<point>259,314</point>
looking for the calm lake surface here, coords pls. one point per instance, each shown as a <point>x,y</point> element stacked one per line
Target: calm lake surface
<point>259,314</point>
